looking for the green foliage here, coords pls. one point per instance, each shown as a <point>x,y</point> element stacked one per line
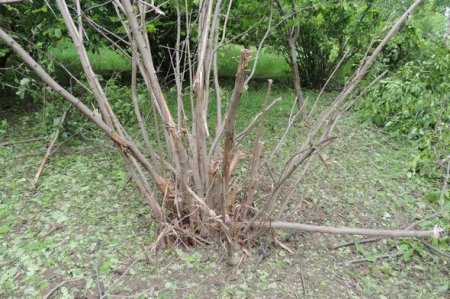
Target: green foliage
<point>327,32</point>
<point>415,102</point>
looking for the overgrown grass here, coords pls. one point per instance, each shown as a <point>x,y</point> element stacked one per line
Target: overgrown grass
<point>106,61</point>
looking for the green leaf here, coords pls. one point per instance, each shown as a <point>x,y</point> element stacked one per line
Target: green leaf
<point>58,32</point>
<point>59,216</point>
<point>150,28</point>
<point>105,267</point>
<point>4,229</point>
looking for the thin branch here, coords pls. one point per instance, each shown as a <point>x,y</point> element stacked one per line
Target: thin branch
<point>385,233</point>
<point>230,120</point>
<point>255,120</point>
<point>57,287</point>
<point>409,227</point>
<point>380,256</point>
<point>350,243</point>
<point>434,249</point>
<point>11,1</point>
<point>13,142</point>
<point>50,148</point>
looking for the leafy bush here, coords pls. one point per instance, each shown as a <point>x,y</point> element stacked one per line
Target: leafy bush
<point>414,102</point>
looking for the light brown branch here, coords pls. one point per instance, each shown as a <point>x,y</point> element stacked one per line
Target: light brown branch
<point>10,1</point>
<point>385,233</point>
<point>50,148</point>
<point>7,143</point>
<point>230,120</point>
<point>57,287</point>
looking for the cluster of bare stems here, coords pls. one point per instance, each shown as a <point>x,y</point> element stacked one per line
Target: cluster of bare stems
<point>188,176</point>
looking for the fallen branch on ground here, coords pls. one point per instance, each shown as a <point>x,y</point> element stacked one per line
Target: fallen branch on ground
<point>385,233</point>
<point>377,257</point>
<point>434,249</point>
<point>50,149</point>
<point>57,287</point>
<point>350,243</point>
<point>409,227</point>
<point>13,142</point>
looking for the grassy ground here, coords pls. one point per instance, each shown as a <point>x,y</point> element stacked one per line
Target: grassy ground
<point>84,225</point>
<point>107,61</point>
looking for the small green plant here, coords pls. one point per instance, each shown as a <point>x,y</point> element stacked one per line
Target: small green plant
<point>3,127</point>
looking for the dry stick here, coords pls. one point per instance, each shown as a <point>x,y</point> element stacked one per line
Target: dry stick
<point>255,120</point>
<point>380,256</point>
<point>363,92</point>
<point>305,156</point>
<point>50,148</point>
<point>175,147</point>
<point>213,151</point>
<point>7,143</point>
<point>10,1</point>
<point>350,243</point>
<point>217,89</point>
<point>57,287</point>
<point>80,19</point>
<point>386,233</point>
<point>362,70</point>
<point>409,227</point>
<point>154,107</point>
<point>432,248</point>
<point>230,122</point>
<point>434,215</point>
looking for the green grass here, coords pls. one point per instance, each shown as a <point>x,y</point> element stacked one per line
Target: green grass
<point>86,223</point>
<point>106,61</point>
<point>270,65</point>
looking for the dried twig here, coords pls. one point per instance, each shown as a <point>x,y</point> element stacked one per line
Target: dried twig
<point>13,142</point>
<point>10,1</point>
<point>350,243</point>
<point>434,249</point>
<point>409,227</point>
<point>50,148</point>
<point>381,256</point>
<point>57,287</point>
<point>385,233</point>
